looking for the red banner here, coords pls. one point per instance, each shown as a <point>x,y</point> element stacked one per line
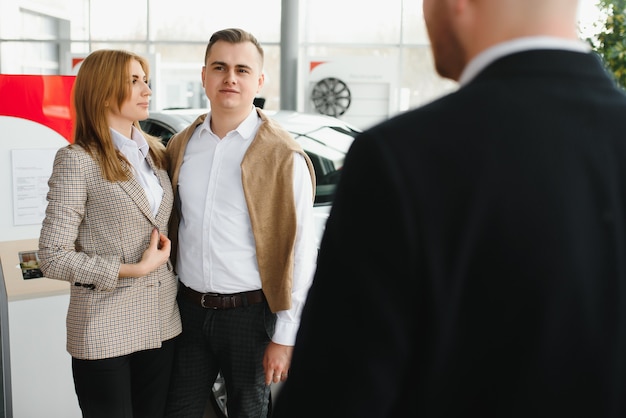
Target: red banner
<point>44,99</point>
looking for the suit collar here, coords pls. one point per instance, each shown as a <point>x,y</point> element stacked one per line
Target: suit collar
<point>490,55</point>
<point>530,65</point>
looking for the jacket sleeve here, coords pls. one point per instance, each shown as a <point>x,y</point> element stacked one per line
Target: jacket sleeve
<point>67,200</point>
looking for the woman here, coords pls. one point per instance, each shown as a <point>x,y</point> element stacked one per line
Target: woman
<point>105,232</point>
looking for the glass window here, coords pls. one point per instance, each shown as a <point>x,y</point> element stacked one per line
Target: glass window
<point>351,21</point>
<point>192,20</point>
<point>35,57</point>
<point>176,76</point>
<point>118,20</point>
<point>78,12</point>
<point>136,47</point>
<point>173,36</point>
<point>414,28</point>
<point>38,26</point>
<point>420,83</point>
<point>31,58</point>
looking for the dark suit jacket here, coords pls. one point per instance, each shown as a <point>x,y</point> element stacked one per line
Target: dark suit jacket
<point>474,258</point>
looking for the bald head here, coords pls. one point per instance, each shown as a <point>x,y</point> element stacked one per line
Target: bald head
<point>460,29</point>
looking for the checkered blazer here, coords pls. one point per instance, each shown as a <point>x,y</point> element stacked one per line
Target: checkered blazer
<point>91,227</point>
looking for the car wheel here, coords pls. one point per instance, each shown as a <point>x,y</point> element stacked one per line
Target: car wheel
<point>218,400</point>
<point>331,97</point>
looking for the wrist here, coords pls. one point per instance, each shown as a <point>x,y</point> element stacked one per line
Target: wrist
<point>133,270</point>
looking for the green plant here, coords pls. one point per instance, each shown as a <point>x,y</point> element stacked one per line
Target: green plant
<point>610,41</point>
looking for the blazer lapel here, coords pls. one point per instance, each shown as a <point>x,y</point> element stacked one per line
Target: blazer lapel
<point>167,199</point>
<point>138,195</point>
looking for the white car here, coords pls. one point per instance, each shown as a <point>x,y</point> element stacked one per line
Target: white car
<point>325,139</point>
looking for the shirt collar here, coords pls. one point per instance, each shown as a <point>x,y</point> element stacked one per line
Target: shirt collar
<point>137,141</point>
<point>482,60</point>
<point>245,129</point>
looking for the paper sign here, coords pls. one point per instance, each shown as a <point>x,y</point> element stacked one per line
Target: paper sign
<point>31,171</point>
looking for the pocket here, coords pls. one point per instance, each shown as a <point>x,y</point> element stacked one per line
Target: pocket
<point>269,319</point>
<point>124,282</point>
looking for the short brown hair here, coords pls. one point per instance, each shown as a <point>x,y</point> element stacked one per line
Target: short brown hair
<point>233,36</point>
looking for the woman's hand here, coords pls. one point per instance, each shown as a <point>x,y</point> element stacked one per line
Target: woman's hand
<point>157,254</point>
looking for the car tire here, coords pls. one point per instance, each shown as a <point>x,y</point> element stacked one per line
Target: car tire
<point>331,97</point>
<point>218,399</point>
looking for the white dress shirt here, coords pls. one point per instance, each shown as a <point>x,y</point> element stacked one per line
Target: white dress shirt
<point>216,251</point>
<point>136,150</point>
<point>489,55</point>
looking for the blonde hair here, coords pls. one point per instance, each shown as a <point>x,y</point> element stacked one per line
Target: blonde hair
<point>102,81</point>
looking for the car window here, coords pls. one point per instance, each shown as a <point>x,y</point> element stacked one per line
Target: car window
<point>332,137</point>
<point>327,163</point>
<point>155,128</point>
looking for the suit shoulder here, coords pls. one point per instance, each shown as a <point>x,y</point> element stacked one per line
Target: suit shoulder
<point>73,152</point>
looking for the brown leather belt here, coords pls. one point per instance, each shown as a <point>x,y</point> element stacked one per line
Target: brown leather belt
<point>222,301</point>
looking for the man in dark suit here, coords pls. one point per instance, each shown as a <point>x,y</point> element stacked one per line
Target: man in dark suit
<point>474,262</point>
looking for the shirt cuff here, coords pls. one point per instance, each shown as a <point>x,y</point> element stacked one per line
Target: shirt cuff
<point>285,332</point>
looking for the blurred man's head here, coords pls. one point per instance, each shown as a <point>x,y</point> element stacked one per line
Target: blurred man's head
<point>461,29</point>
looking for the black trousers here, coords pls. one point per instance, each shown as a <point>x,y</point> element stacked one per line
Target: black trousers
<point>231,341</point>
<point>130,386</point>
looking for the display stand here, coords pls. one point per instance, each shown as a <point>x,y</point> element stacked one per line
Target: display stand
<point>36,368</point>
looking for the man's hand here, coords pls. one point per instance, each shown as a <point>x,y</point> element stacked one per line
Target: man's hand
<point>276,362</point>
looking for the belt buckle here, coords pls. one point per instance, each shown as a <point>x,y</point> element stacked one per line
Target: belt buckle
<point>202,301</point>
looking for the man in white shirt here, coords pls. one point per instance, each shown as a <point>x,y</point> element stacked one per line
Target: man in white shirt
<point>243,240</point>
